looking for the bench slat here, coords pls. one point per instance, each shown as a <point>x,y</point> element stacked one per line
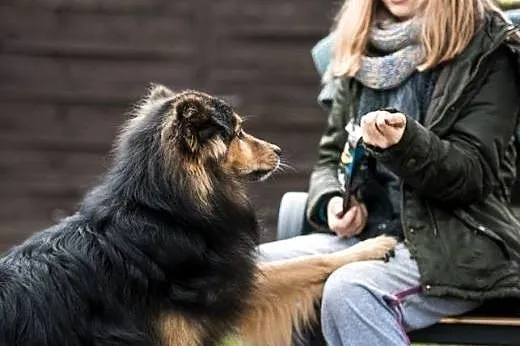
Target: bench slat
<point>494,321</point>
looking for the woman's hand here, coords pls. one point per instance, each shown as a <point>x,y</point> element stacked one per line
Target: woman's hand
<point>349,224</point>
<point>382,129</point>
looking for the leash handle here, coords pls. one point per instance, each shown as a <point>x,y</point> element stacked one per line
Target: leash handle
<point>350,170</point>
<point>346,203</point>
<point>362,163</point>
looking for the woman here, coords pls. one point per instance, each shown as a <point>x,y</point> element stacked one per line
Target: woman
<point>422,125</point>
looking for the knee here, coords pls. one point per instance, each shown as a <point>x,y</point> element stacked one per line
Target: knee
<point>343,295</point>
<point>344,289</point>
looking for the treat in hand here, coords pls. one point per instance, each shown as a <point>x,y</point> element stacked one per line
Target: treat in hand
<point>382,129</point>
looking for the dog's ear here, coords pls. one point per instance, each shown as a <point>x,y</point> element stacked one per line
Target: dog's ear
<point>158,91</point>
<point>195,121</point>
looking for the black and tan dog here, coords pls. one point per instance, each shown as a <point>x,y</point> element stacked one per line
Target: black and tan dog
<point>161,252</point>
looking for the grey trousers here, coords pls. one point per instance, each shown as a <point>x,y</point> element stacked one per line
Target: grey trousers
<point>372,302</point>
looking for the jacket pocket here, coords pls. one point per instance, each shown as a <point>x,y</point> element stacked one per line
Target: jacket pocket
<point>473,224</point>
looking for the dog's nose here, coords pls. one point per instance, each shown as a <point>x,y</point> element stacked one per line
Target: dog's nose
<point>277,149</point>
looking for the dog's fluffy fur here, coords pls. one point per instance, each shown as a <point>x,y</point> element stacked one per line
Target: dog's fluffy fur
<point>161,252</point>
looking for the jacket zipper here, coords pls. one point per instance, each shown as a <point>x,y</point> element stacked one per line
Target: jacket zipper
<point>495,45</point>
<point>403,225</point>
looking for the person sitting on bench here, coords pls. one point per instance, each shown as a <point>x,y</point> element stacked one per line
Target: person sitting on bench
<point>419,145</point>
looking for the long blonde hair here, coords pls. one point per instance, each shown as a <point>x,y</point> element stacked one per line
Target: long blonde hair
<point>448,27</point>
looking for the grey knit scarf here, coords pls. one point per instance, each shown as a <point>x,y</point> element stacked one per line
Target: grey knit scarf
<point>398,42</point>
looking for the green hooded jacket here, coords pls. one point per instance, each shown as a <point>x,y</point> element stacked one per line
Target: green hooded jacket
<point>457,168</point>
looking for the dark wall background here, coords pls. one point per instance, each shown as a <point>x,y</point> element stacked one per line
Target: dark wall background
<point>70,68</point>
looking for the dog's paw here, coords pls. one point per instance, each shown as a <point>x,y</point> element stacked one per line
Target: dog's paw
<point>379,248</point>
